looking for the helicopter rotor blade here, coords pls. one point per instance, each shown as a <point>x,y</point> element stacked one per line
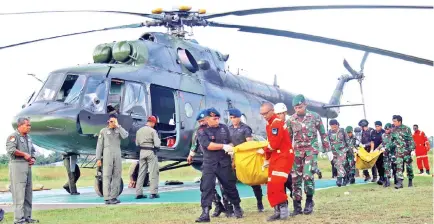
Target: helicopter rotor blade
<point>152,16</point>
<point>303,8</point>
<point>324,40</point>
<point>343,105</point>
<point>135,25</point>
<point>350,70</point>
<point>362,64</point>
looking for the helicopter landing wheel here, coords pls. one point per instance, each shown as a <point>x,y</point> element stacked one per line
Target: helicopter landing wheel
<point>98,186</point>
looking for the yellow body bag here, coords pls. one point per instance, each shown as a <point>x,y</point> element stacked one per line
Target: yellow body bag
<point>248,163</point>
<point>366,160</point>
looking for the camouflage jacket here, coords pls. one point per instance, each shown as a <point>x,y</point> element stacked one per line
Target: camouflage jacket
<point>304,131</point>
<point>339,141</point>
<point>195,142</point>
<point>402,137</point>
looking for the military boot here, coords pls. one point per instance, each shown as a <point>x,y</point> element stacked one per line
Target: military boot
<point>308,207</point>
<point>380,181</point>
<point>219,208</point>
<point>367,178</point>
<point>410,182</point>
<point>421,171</point>
<point>398,184</point>
<point>352,179</point>
<point>238,211</point>
<point>284,210</point>
<point>319,175</point>
<point>338,182</point>
<point>276,215</point>
<point>297,208</point>
<point>30,220</point>
<point>229,210</point>
<point>260,206</point>
<point>345,181</point>
<point>204,217</point>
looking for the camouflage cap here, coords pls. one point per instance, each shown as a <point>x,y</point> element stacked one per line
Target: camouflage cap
<point>388,125</point>
<point>297,100</point>
<point>349,129</point>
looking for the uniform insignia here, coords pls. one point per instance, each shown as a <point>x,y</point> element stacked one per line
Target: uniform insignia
<point>108,132</point>
<point>12,139</point>
<point>274,131</point>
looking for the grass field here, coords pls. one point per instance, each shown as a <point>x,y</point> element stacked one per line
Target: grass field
<point>368,203</point>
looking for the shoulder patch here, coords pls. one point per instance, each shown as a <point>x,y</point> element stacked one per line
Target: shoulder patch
<point>12,139</point>
<point>274,131</point>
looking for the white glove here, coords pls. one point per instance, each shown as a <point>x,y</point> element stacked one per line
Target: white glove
<point>266,164</point>
<point>330,155</point>
<point>382,149</point>
<point>228,149</point>
<point>260,151</point>
<point>412,153</point>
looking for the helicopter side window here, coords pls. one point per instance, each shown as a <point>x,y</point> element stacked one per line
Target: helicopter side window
<point>95,95</point>
<point>134,99</point>
<point>115,94</point>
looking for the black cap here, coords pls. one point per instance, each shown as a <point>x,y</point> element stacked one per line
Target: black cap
<point>363,123</point>
<point>333,122</point>
<point>378,123</point>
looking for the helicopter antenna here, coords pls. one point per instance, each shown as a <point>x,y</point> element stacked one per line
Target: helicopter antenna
<point>34,76</point>
<point>359,76</point>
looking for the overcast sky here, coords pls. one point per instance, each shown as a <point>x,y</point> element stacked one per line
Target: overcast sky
<point>391,86</point>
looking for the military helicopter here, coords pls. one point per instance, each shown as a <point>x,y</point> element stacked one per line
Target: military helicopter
<point>131,79</point>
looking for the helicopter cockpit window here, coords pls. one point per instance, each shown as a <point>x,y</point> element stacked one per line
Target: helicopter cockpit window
<point>134,99</point>
<point>71,89</point>
<point>95,94</point>
<point>50,87</point>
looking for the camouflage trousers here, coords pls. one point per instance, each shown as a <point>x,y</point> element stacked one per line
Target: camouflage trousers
<point>350,165</point>
<point>315,167</point>
<point>303,169</point>
<point>387,163</point>
<point>403,158</point>
<point>340,160</point>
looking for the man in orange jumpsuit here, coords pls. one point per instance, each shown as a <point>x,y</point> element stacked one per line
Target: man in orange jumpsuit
<point>422,148</point>
<point>279,158</point>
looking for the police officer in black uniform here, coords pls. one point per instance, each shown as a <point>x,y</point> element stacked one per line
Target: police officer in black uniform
<point>376,140</point>
<point>215,142</point>
<point>366,142</point>
<point>241,133</point>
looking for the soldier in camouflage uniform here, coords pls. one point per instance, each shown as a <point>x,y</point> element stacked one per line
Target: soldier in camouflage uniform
<point>219,208</point>
<point>387,156</point>
<point>304,126</point>
<point>402,138</point>
<point>351,163</point>
<point>339,145</point>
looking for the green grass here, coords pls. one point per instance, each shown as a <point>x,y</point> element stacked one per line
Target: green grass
<point>368,203</point>
<point>56,177</point>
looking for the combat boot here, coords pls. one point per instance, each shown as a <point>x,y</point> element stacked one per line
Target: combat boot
<point>297,208</point>
<point>421,171</point>
<point>204,217</point>
<point>319,175</point>
<point>386,182</point>
<point>410,182</point>
<point>353,180</point>
<point>238,211</point>
<point>276,215</point>
<point>284,210</point>
<point>380,181</point>
<point>308,207</point>
<point>367,178</point>
<point>345,181</point>
<point>398,184</point>
<point>218,209</point>
<point>30,220</point>
<point>229,210</point>
<point>338,182</point>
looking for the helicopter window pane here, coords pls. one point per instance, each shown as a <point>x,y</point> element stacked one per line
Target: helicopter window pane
<point>50,87</point>
<point>95,95</point>
<point>72,88</point>
<point>134,99</point>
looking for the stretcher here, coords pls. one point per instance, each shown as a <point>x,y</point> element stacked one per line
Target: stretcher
<point>248,163</point>
<point>366,160</point>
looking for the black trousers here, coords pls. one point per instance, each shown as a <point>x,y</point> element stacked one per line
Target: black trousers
<point>223,172</point>
<point>334,170</point>
<point>257,190</point>
<point>288,185</point>
<point>380,165</point>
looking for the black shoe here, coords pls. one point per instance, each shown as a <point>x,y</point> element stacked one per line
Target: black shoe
<point>152,196</point>
<point>141,196</point>
<point>308,207</point>
<point>30,220</point>
<point>204,217</point>
<point>110,202</point>
<point>345,181</point>
<point>380,181</point>
<point>260,206</point>
<point>297,208</point>
<point>367,178</point>
<point>75,193</point>
<point>20,221</point>
<point>67,189</point>
<point>374,180</point>
<point>284,210</point>
<point>399,184</point>
<point>338,182</point>
<point>238,212</point>
<point>229,210</point>
<point>410,182</point>
<point>219,208</point>
<point>276,215</point>
<point>319,175</point>
<point>116,201</point>
<point>353,180</point>
<point>427,172</point>
<point>421,171</point>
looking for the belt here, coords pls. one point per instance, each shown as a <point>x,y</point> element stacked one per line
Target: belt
<point>146,148</point>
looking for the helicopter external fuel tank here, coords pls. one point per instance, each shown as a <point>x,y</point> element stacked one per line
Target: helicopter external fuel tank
<point>123,52</point>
